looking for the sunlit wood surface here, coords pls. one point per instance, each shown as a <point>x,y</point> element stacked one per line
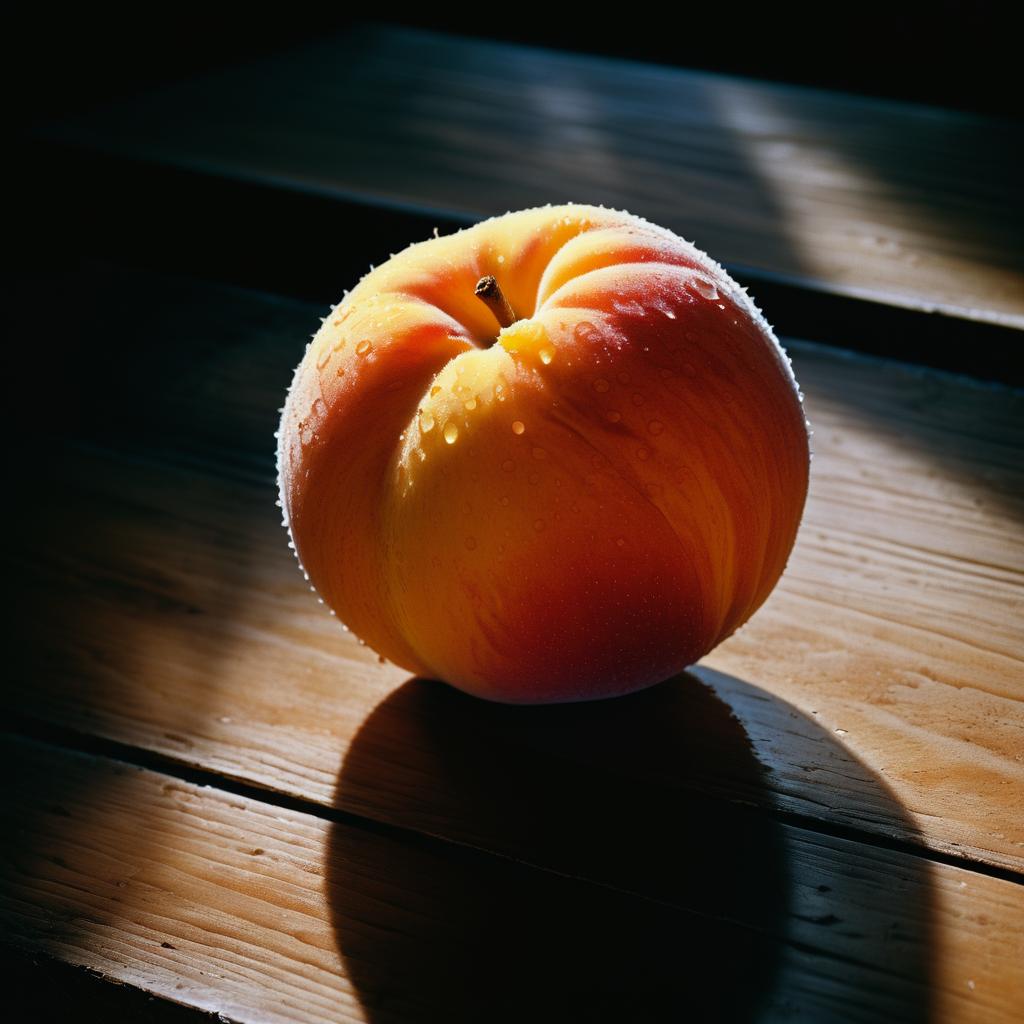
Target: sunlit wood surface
<point>219,798</point>
<point>904,204</point>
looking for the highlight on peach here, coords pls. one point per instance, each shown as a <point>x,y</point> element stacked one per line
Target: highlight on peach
<point>556,456</point>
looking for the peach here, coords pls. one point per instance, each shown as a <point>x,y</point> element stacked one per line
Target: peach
<point>567,487</point>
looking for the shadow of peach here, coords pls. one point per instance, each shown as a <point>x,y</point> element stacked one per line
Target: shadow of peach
<point>640,872</point>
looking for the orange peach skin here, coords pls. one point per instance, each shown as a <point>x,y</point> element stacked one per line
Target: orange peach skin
<point>576,507</point>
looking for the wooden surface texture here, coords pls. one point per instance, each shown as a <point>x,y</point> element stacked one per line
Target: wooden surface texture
<point>903,204</point>
<point>258,912</point>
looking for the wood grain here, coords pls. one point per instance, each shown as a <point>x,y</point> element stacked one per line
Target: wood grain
<point>879,689</point>
<point>903,204</point>
<point>262,913</point>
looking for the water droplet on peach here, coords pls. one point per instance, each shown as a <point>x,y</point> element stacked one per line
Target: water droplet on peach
<point>508,465</point>
<point>655,426</point>
<point>637,399</point>
<point>323,359</point>
<point>451,433</point>
<point>363,347</point>
<point>705,287</point>
<point>518,427</point>
<point>470,404</point>
<point>426,422</point>
<point>435,391</point>
<point>539,453</point>
<point>601,385</point>
<point>613,415</point>
<point>584,331</point>
<point>471,543</point>
<point>643,454</point>
<point>620,542</point>
<point>547,353</point>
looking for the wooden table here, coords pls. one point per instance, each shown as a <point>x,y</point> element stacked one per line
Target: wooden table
<point>218,800</point>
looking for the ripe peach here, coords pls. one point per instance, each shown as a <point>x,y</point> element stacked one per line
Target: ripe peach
<point>575,505</point>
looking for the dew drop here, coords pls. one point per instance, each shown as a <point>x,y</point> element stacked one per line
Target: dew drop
<point>503,500</point>
<point>470,404</point>
<point>518,427</point>
<point>426,422</point>
<point>508,465</point>
<point>637,399</point>
<point>643,454</point>
<point>471,543</point>
<point>539,453</point>
<point>363,347</point>
<point>655,426</point>
<point>499,392</point>
<point>601,385</point>
<point>323,359</point>
<point>501,259</point>
<point>451,433</point>
<point>613,415</point>
<point>435,391</point>
<point>705,287</point>
<point>623,377</point>
<point>584,331</point>
<point>547,353</point>
<point>620,542</point>
<point>341,371</point>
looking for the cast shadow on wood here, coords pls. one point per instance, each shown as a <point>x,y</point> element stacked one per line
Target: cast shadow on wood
<point>641,872</point>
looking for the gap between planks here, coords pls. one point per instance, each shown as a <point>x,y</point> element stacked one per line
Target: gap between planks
<point>267,913</point>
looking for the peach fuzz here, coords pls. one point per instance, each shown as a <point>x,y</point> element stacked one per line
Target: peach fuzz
<point>574,506</point>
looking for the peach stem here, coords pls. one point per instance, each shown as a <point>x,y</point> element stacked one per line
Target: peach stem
<point>489,292</point>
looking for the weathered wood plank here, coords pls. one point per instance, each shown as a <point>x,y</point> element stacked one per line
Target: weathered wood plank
<point>902,204</point>
<point>262,913</point>
<point>880,688</point>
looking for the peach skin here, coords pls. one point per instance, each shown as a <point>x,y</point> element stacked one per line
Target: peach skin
<point>556,456</point>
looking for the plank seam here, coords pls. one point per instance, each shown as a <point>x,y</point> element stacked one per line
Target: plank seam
<point>139,757</point>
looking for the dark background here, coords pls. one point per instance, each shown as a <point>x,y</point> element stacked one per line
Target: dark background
<point>947,52</point>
